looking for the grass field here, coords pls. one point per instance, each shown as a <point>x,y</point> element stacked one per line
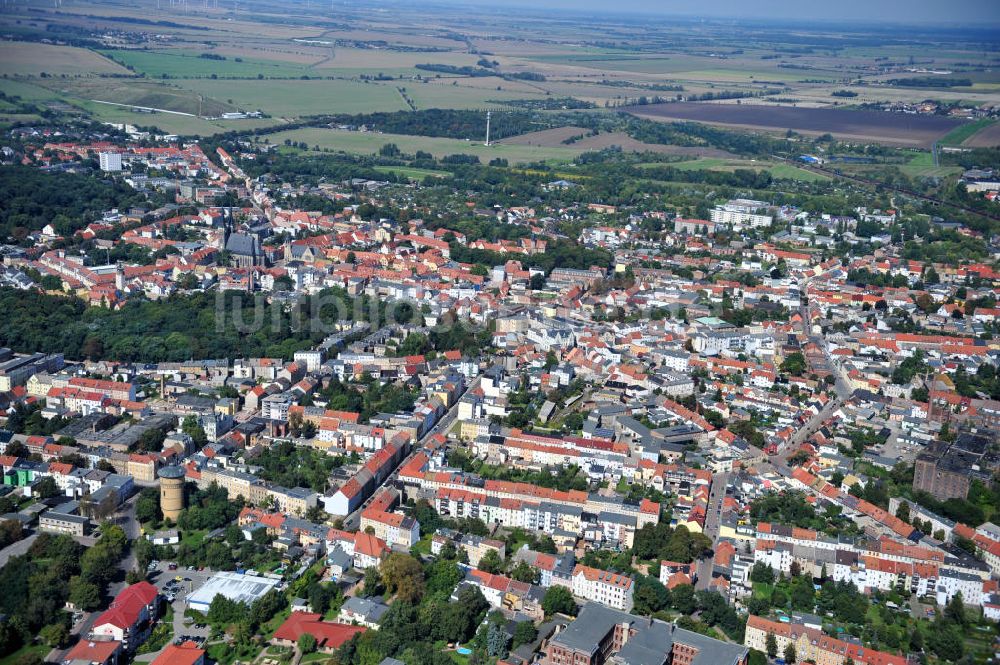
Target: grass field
<point>190,64</point>
<point>27,91</point>
<point>368,143</point>
<point>34,59</point>
<point>169,123</point>
<point>151,94</point>
<point>291,98</point>
<point>922,166</point>
<point>412,173</point>
<point>777,170</point>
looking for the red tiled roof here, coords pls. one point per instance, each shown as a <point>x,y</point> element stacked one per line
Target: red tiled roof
<point>127,606</point>
<point>94,652</point>
<point>328,635</point>
<point>186,653</point>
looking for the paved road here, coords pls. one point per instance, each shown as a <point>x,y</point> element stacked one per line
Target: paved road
<point>353,521</point>
<point>16,549</point>
<point>715,498</point>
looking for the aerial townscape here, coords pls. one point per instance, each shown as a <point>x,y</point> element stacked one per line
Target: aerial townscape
<point>428,333</point>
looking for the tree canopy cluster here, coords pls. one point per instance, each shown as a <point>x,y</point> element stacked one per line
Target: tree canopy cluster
<point>69,201</point>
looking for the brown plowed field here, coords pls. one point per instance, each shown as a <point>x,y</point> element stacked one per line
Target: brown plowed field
<point>873,126</point>
<point>988,137</point>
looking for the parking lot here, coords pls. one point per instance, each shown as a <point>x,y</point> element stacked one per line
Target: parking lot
<point>168,584</point>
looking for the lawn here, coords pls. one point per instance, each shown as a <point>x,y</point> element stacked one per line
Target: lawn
<point>267,629</point>
<point>39,650</point>
<point>423,546</point>
<point>193,538</point>
<point>368,143</point>
<point>293,98</point>
<point>190,64</point>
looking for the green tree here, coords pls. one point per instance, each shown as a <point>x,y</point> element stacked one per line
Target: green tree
<point>682,598</point>
<point>403,577</point>
<point>46,488</point>
<point>524,633</point>
<point>496,640</point>
<point>83,594</point>
<point>307,643</point>
<point>522,572</point>
<point>491,562</point>
<point>794,364</point>
<point>558,600</point>
<point>54,635</point>
<point>771,645</point>
<point>954,611</point>
<point>790,656</point>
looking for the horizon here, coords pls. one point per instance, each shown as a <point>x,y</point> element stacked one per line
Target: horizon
<point>984,14</point>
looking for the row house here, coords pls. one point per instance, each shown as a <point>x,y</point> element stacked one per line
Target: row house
<point>130,617</point>
<point>611,589</point>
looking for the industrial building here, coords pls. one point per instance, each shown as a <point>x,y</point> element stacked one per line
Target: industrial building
<point>234,586</point>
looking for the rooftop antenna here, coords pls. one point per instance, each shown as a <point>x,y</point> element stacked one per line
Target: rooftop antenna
<point>488,129</point>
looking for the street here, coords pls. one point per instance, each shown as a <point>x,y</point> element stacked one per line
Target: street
<point>353,521</point>
<point>16,549</point>
<point>715,498</point>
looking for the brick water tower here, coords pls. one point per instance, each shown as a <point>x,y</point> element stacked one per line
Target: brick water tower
<point>171,492</point>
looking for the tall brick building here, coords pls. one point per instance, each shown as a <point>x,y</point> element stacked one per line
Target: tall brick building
<point>602,635</point>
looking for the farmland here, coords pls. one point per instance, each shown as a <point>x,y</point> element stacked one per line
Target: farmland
<point>579,138</point>
<point>293,98</point>
<point>30,59</point>
<point>777,170</point>
<point>964,132</point>
<point>160,64</point>
<point>368,143</point>
<point>874,126</point>
<point>985,137</point>
<point>298,61</point>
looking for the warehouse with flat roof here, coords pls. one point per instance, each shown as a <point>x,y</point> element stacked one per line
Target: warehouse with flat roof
<point>234,586</point>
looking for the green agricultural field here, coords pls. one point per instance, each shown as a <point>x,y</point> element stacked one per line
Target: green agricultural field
<point>34,59</point>
<point>190,64</point>
<point>169,122</point>
<point>368,143</point>
<point>149,94</point>
<point>293,98</point>
<point>27,91</point>
<point>963,132</point>
<point>441,94</point>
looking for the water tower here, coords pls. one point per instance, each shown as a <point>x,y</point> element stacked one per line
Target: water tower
<point>171,491</point>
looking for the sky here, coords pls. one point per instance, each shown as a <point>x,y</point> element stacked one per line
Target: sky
<point>845,11</point>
